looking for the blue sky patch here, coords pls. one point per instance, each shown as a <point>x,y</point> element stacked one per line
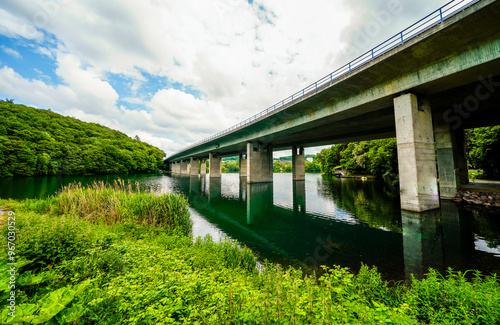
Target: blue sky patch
<point>143,91</point>
<point>28,62</point>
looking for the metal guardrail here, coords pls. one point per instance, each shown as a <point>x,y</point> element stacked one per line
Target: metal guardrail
<point>424,24</point>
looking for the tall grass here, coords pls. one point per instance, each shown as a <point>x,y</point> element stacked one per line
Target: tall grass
<point>124,202</point>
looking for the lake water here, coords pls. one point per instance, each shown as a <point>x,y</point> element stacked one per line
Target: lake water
<point>320,221</point>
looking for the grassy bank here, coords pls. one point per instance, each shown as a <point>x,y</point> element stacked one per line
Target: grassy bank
<point>113,255</point>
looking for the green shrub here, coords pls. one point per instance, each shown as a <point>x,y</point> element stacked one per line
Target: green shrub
<point>47,240</point>
<point>228,251</point>
<point>454,299</point>
<point>41,206</point>
<point>122,202</point>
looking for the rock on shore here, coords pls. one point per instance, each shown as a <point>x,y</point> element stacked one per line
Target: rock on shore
<point>479,198</point>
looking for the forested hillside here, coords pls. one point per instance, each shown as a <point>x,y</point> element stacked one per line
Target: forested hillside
<point>41,142</point>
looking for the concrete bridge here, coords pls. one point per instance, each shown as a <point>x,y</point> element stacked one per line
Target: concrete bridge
<point>423,86</point>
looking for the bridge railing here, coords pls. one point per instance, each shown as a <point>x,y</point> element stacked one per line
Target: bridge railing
<point>429,21</point>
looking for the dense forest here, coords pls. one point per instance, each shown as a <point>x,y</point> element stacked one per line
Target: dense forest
<point>41,142</point>
<point>376,157</point>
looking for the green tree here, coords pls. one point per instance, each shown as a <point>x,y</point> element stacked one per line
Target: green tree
<point>281,167</point>
<point>483,146</point>
<point>41,142</point>
<point>330,158</point>
<point>231,166</point>
<point>376,157</point>
<point>312,167</point>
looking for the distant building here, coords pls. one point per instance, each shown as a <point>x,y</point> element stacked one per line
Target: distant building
<point>310,159</point>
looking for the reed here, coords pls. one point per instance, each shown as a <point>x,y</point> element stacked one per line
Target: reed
<point>124,202</point>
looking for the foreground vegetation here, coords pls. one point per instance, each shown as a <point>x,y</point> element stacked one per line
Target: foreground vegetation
<point>40,142</point>
<point>113,255</point>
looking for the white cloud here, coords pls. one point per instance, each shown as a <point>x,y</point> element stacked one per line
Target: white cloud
<point>187,117</point>
<point>45,51</point>
<point>35,91</point>
<point>16,27</point>
<point>94,94</point>
<point>11,52</point>
<point>243,57</point>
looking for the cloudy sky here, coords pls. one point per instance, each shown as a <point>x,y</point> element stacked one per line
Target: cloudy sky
<point>177,71</point>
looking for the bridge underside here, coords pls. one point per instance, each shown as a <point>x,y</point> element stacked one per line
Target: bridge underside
<point>451,72</point>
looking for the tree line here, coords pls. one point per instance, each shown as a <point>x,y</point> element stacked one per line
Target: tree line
<point>41,142</point>
<point>230,165</point>
<point>375,157</point>
<point>379,157</point>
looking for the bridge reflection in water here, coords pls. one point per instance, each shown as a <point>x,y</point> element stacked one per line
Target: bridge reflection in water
<point>322,221</point>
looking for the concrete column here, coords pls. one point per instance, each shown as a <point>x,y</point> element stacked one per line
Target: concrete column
<point>452,164</point>
<point>243,166</point>
<point>298,164</point>
<point>183,168</point>
<point>416,159</point>
<point>214,189</point>
<point>422,242</point>
<point>214,165</point>
<point>259,163</point>
<point>178,168</point>
<point>459,152</point>
<point>259,202</point>
<point>458,236</point>
<point>243,189</point>
<point>299,197</point>
<point>203,168</point>
<point>194,187</point>
<point>194,167</point>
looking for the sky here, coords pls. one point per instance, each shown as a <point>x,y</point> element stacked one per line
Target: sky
<point>174,72</point>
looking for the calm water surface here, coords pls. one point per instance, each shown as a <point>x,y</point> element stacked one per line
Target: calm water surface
<point>320,221</point>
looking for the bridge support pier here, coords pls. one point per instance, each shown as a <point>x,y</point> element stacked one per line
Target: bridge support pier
<point>203,168</point>
<point>416,158</point>
<point>259,202</point>
<point>452,164</point>
<point>299,197</point>
<point>259,163</point>
<point>214,166</point>
<point>194,164</point>
<point>243,166</point>
<point>183,168</point>
<point>298,164</point>
<point>214,189</point>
